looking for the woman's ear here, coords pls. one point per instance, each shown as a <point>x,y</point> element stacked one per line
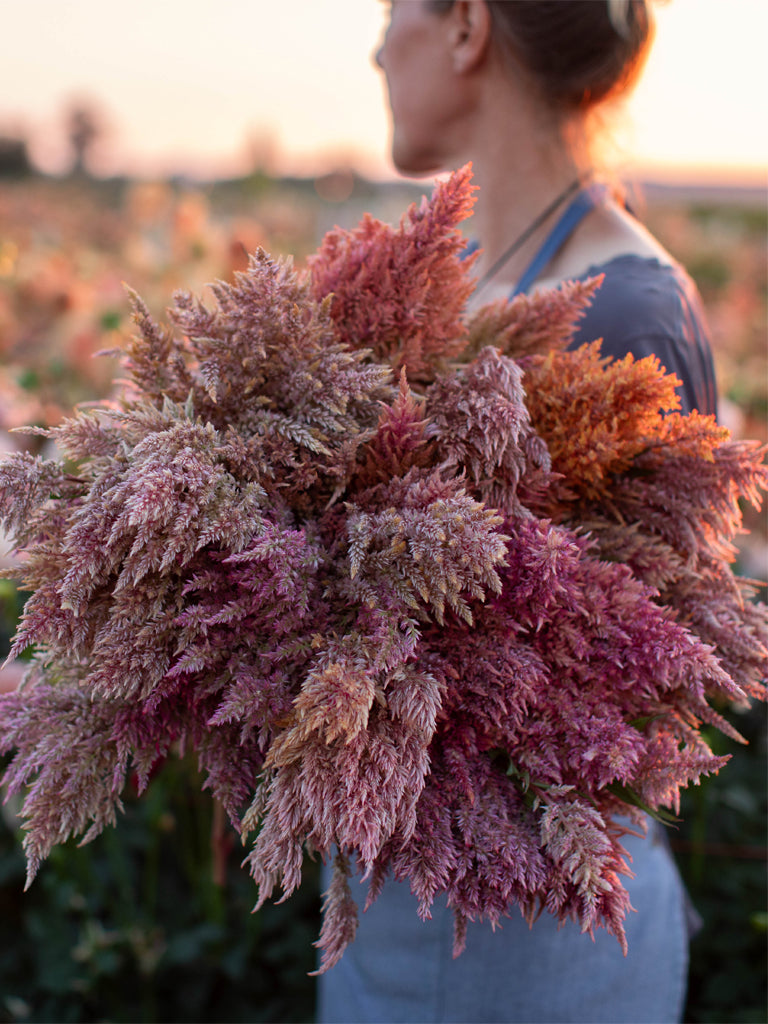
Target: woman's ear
<point>470,34</point>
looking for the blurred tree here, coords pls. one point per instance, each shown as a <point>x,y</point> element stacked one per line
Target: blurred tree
<point>14,157</point>
<point>84,128</point>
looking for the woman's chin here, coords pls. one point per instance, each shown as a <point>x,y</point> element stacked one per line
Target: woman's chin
<point>416,165</point>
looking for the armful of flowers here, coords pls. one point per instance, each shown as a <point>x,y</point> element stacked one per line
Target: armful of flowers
<point>426,593</point>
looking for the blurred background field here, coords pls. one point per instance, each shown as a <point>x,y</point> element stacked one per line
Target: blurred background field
<point>151,922</point>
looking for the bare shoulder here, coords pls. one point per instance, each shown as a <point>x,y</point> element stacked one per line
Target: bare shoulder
<point>606,232</point>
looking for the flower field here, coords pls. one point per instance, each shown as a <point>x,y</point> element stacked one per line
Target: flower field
<point>64,252</point>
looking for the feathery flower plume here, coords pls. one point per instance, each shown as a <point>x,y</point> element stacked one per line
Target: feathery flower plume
<point>429,596</point>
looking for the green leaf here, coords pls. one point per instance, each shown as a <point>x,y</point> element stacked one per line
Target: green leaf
<point>629,796</point>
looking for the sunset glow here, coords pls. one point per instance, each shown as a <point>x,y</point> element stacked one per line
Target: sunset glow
<point>218,89</point>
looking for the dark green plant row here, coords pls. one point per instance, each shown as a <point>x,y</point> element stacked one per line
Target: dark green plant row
<point>134,928</point>
<point>720,846</point>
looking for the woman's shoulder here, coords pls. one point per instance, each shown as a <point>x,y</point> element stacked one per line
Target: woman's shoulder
<point>641,295</point>
<point>649,306</point>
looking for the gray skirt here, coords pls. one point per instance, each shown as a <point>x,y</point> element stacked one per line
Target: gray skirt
<point>400,969</point>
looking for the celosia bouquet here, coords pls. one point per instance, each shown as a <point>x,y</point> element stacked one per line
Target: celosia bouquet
<point>426,593</point>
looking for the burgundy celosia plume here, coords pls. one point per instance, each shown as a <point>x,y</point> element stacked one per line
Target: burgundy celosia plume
<point>428,595</point>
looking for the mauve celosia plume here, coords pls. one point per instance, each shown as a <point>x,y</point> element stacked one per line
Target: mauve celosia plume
<point>428,595</point>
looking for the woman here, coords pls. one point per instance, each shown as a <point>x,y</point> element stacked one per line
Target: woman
<point>513,87</point>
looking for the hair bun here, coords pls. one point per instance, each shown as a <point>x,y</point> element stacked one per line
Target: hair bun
<point>579,53</point>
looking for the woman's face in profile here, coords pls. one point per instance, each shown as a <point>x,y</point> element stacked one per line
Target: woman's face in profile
<point>416,60</point>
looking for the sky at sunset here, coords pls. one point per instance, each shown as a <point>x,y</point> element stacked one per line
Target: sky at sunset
<point>217,88</point>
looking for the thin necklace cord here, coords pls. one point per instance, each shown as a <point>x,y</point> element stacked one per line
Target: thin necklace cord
<point>535,224</point>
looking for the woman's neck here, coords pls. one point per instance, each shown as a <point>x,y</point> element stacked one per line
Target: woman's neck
<point>523,158</point>
<point>513,194</point>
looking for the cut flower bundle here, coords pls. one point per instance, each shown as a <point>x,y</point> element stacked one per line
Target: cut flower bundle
<point>426,593</point>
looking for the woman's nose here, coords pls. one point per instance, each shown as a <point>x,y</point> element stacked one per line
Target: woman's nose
<point>376,56</point>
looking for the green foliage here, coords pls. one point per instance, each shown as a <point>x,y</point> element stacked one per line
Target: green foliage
<point>747,219</point>
<point>721,851</point>
<point>133,928</point>
<point>710,271</point>
<point>110,319</point>
<point>10,609</point>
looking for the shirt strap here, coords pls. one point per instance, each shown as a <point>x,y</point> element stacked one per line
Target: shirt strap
<point>571,217</point>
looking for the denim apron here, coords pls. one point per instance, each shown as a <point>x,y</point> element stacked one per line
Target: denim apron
<point>400,968</point>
